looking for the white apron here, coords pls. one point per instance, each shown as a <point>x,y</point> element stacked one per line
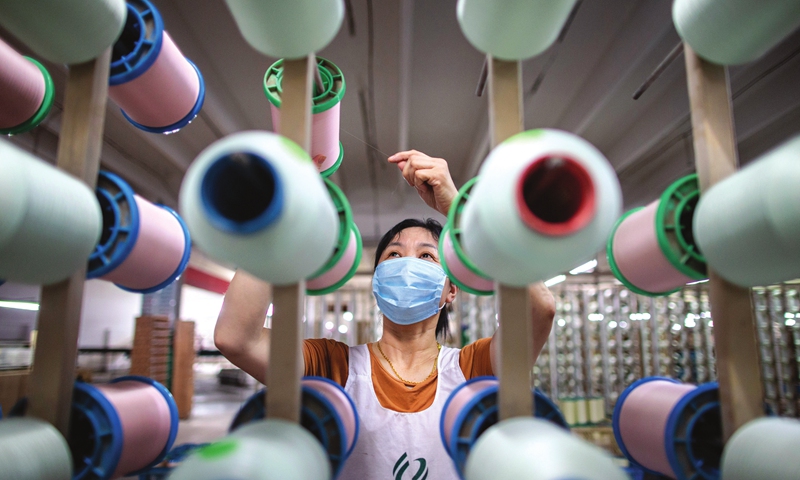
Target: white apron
<point>394,445</point>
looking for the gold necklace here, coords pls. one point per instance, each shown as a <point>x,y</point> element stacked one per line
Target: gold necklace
<point>408,382</point>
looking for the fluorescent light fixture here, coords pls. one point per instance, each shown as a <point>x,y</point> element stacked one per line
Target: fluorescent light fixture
<point>596,317</point>
<point>639,316</point>
<point>561,322</point>
<point>19,305</point>
<point>555,280</point>
<point>697,282</point>
<point>342,328</point>
<point>676,327</point>
<point>612,324</point>
<point>710,323</point>
<point>348,316</point>
<point>329,325</point>
<point>788,315</point>
<point>269,310</point>
<point>790,322</point>
<point>584,268</point>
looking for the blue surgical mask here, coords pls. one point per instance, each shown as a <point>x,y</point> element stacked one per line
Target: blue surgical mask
<point>408,290</point>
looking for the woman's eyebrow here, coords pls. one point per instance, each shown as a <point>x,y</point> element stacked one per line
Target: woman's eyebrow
<point>430,245</point>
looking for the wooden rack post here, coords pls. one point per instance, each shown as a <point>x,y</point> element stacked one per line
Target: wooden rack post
<point>516,332</point>
<point>79,144</point>
<point>738,368</point>
<point>286,355</point>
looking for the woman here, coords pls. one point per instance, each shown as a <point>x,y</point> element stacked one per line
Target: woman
<point>401,382</point>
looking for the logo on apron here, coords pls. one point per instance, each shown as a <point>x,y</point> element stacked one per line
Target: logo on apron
<point>403,464</point>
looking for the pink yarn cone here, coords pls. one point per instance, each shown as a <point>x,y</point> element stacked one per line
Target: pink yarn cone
<point>158,251</point>
<point>146,423</point>
<point>639,257</point>
<point>643,421</point>
<point>22,88</point>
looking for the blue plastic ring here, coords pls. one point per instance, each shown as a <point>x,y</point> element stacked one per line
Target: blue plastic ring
<point>672,424</point>
<point>338,459</point>
<point>113,259</point>
<point>263,220</point>
<point>187,252</point>
<point>173,413</point>
<point>616,415</point>
<point>352,404</point>
<point>447,405</point>
<point>137,62</point>
<point>102,464</point>
<point>260,411</point>
<point>201,95</point>
<point>455,440</point>
<point>553,413</point>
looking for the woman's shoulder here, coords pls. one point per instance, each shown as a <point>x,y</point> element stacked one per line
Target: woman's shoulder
<point>325,346</point>
<point>478,345</point>
<point>475,358</point>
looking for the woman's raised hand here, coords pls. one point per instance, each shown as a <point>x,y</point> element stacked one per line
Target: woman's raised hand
<point>429,176</point>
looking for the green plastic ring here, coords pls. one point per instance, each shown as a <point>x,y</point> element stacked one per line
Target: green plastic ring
<point>615,268</point>
<point>454,217</point>
<point>675,238</point>
<point>44,108</point>
<point>350,274</point>
<point>445,230</point>
<point>333,85</point>
<point>330,171</point>
<point>345,224</point>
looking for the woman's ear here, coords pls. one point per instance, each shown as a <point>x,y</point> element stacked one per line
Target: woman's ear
<point>451,289</point>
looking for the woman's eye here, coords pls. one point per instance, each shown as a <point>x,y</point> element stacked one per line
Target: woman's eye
<point>427,255</point>
<point>393,254</point>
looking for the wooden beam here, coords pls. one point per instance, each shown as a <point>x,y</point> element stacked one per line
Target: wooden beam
<point>79,144</point>
<point>505,100</point>
<point>515,398</point>
<point>516,332</point>
<point>298,76</point>
<point>738,368</point>
<point>286,355</point>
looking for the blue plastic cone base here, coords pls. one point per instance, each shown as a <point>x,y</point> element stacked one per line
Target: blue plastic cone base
<point>120,225</point>
<point>480,413</point>
<point>139,44</point>
<point>95,434</point>
<point>242,195</point>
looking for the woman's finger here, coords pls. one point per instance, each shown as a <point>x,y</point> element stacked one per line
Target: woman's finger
<point>400,156</point>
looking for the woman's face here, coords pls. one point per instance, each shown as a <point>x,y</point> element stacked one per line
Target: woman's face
<point>412,242</point>
<point>419,243</point>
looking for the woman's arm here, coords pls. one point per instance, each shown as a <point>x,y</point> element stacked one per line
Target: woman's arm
<point>544,310</point>
<point>240,334</point>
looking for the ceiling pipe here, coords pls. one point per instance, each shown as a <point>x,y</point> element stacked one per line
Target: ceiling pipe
<point>671,56</point>
<point>406,45</point>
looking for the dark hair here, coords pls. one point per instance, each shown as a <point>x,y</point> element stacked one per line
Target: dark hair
<point>431,225</point>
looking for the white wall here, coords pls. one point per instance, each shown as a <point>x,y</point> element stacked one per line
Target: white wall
<point>108,307</point>
<point>202,307</point>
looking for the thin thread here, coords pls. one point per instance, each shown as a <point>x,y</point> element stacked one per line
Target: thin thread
<point>365,143</point>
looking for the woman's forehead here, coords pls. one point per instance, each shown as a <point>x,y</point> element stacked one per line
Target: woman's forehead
<point>413,236</point>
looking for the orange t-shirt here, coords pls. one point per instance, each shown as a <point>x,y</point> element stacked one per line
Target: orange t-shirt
<point>330,359</point>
